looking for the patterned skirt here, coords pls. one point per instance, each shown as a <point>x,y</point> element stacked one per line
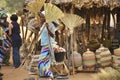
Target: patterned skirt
<point>1,59</point>
<point>44,63</point>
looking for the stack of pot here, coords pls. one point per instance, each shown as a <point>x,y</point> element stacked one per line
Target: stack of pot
<point>104,57</point>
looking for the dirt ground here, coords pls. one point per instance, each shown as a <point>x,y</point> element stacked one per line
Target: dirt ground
<point>20,74</point>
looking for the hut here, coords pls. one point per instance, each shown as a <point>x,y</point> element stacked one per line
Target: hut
<point>101,13</point>
<point>97,14</point>
<point>101,25</point>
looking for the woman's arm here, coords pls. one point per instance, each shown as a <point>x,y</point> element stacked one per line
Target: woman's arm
<point>49,32</point>
<point>10,29</point>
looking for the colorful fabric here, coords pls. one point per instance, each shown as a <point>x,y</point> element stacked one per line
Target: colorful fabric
<point>1,59</point>
<point>44,63</point>
<point>6,48</point>
<point>3,14</point>
<point>2,34</point>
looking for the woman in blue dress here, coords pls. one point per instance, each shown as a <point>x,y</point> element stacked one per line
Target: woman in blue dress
<point>14,32</point>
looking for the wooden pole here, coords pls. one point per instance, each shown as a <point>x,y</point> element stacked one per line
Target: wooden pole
<point>31,33</point>
<point>33,42</point>
<point>72,53</point>
<point>108,23</point>
<point>67,47</point>
<point>103,26</point>
<point>88,24</point>
<point>22,22</point>
<point>26,31</point>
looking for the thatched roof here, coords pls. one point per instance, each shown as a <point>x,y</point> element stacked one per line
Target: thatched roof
<point>82,6</point>
<point>85,3</point>
<point>52,1</point>
<point>97,3</point>
<point>60,1</point>
<point>27,1</point>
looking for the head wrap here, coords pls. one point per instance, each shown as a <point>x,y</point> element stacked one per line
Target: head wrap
<point>43,12</point>
<point>3,14</point>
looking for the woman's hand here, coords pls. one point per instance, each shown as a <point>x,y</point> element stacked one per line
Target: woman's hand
<point>46,24</point>
<point>49,32</point>
<point>58,49</point>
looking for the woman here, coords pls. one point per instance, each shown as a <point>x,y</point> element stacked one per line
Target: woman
<point>46,55</point>
<point>14,32</point>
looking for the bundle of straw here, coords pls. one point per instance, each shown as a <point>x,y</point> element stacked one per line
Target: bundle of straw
<point>52,12</point>
<point>72,20</point>
<point>109,74</point>
<point>35,6</point>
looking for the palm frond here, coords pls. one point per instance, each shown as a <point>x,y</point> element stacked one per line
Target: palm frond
<point>52,12</point>
<point>35,6</point>
<point>72,20</point>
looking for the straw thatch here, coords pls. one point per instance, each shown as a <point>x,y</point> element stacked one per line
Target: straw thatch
<point>72,20</point>
<point>85,3</point>
<point>97,3</point>
<point>52,12</point>
<point>60,1</point>
<point>88,3</point>
<point>35,6</point>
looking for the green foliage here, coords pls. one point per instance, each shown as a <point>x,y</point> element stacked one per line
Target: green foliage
<point>2,3</point>
<point>12,5</point>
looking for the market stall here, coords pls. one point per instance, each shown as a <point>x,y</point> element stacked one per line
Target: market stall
<point>100,21</point>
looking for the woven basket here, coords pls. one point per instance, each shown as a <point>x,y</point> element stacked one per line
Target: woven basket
<point>33,25</point>
<point>77,59</point>
<point>117,52</point>
<point>89,59</point>
<point>103,56</point>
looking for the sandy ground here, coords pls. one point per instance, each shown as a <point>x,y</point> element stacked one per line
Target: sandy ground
<point>20,74</point>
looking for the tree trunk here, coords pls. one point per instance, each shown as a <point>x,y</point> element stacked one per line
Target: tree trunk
<point>88,25</point>
<point>103,27</point>
<point>108,23</point>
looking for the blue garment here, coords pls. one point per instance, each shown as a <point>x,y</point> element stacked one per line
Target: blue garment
<point>16,43</point>
<point>44,35</point>
<point>16,57</point>
<point>44,63</point>
<point>16,38</point>
<point>1,58</point>
<point>45,57</point>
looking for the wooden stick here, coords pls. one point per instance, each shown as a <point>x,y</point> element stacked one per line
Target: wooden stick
<point>66,68</point>
<point>30,52</point>
<point>26,31</point>
<point>30,48</point>
<point>31,33</point>
<point>22,29</point>
<point>72,54</point>
<point>67,48</point>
